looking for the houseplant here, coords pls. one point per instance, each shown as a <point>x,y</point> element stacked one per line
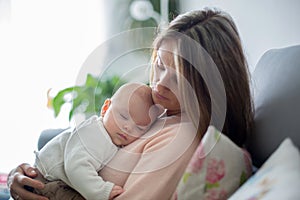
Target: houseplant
<point>86,99</point>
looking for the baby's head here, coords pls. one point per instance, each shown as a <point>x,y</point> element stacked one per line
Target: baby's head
<point>129,113</point>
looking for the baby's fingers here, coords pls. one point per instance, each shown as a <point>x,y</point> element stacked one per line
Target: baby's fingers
<point>117,190</point>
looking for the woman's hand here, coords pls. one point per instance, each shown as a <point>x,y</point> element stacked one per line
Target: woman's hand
<point>21,177</point>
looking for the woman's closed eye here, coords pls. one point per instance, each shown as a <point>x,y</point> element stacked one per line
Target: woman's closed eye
<point>159,64</point>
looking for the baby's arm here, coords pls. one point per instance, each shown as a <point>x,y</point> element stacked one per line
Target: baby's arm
<point>116,190</point>
<point>84,154</point>
<point>82,173</point>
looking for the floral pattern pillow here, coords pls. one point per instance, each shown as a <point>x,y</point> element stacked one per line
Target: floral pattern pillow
<point>216,170</point>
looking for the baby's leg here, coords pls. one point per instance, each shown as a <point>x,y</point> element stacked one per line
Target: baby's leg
<point>58,190</point>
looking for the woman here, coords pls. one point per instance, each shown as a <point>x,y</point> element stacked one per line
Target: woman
<point>196,91</point>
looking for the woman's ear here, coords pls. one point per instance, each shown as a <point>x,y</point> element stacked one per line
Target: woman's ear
<point>105,107</point>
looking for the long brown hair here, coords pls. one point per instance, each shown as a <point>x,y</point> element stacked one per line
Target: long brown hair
<point>216,32</point>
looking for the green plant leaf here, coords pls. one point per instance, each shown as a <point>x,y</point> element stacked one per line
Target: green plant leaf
<point>59,100</point>
<point>91,81</point>
<point>87,98</point>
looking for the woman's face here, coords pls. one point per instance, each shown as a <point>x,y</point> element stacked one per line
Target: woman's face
<point>164,83</point>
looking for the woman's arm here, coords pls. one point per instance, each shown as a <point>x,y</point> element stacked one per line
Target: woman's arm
<point>21,177</point>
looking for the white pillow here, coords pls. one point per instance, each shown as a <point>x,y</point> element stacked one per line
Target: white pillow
<point>278,178</point>
<point>216,170</point>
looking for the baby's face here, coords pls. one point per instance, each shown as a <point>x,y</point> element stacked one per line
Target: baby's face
<point>130,115</point>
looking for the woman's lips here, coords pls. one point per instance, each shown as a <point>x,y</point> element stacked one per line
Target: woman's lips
<point>159,96</point>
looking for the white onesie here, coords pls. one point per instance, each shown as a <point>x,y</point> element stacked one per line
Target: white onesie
<point>76,156</point>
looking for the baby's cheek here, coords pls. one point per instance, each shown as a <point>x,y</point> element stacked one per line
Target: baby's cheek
<point>117,141</point>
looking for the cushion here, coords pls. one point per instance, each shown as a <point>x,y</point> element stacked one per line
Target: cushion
<point>4,192</point>
<point>276,83</point>
<point>47,135</point>
<point>217,168</point>
<point>278,178</point>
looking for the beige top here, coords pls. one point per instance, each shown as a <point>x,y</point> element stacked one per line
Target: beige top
<point>156,161</point>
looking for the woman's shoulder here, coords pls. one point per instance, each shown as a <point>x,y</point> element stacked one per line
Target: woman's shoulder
<point>167,131</point>
<point>167,145</point>
<point>173,123</point>
<point>168,139</point>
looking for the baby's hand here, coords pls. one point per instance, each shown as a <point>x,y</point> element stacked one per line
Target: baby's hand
<point>116,190</point>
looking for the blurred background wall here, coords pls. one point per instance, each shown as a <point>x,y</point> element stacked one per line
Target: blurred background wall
<point>262,24</point>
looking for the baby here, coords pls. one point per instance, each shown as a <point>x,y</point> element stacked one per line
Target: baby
<point>76,156</point>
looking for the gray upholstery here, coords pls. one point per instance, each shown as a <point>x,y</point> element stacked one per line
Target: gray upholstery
<point>276,84</point>
<point>47,135</point>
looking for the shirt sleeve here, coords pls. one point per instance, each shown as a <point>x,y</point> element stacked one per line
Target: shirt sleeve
<point>81,171</point>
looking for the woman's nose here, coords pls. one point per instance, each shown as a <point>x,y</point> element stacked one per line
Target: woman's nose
<point>164,79</point>
<point>163,83</point>
<point>161,87</point>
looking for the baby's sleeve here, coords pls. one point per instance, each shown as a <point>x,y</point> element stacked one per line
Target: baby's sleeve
<point>86,152</point>
<point>82,173</point>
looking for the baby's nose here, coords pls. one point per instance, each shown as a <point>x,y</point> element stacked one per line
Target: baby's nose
<point>127,127</point>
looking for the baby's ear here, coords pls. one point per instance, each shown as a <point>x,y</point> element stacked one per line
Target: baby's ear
<point>105,107</point>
